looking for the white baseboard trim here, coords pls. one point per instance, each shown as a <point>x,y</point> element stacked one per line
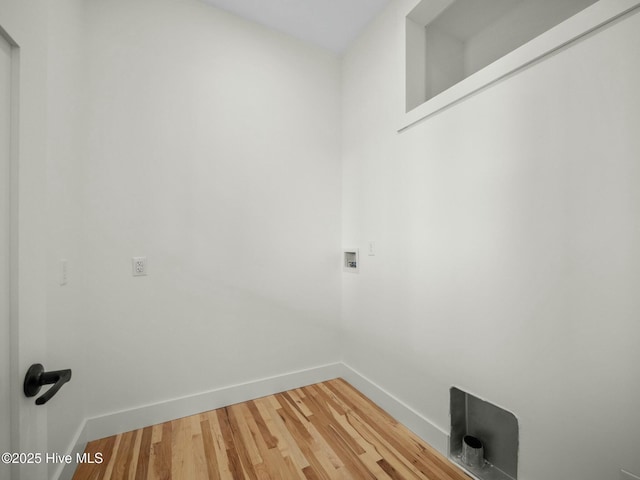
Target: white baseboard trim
<point>64,470</point>
<point>414,421</point>
<point>144,416</point>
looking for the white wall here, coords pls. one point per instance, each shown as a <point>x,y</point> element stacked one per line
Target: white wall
<point>508,246</point>
<point>66,307</point>
<point>210,145</point>
<point>214,151</point>
<point>506,226</point>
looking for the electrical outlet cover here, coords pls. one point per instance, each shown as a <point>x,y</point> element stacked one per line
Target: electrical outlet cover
<point>139,266</point>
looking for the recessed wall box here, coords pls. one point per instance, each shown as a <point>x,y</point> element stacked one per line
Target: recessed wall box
<point>454,48</point>
<point>492,429</point>
<point>351,260</point>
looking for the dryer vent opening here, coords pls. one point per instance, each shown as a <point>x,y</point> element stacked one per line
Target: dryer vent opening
<point>484,437</point>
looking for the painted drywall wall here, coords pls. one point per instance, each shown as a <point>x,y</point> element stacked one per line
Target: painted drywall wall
<point>25,23</point>
<point>66,134</point>
<point>213,150</point>
<point>508,250</point>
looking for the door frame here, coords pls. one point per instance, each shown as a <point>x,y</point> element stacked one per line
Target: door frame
<point>25,28</point>
<point>14,374</point>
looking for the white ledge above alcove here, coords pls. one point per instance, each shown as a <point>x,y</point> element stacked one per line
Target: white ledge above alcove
<point>453,48</point>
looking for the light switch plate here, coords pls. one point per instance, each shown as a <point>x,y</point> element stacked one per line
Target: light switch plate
<point>63,273</point>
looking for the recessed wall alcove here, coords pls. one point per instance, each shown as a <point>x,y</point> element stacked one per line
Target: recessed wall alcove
<point>494,426</point>
<point>456,47</point>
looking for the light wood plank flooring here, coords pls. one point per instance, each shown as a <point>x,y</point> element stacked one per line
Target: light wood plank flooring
<point>325,431</point>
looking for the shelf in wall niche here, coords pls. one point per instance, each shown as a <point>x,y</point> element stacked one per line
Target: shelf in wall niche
<point>454,48</point>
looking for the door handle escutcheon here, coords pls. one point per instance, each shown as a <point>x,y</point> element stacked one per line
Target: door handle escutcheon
<point>36,377</point>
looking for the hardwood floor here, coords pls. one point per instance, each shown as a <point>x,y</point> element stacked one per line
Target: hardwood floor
<point>324,431</point>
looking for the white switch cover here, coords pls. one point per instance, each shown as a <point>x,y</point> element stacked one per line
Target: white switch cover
<point>139,265</point>
<point>63,278</point>
<point>371,248</point>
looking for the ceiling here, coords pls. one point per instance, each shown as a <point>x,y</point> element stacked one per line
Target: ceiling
<point>331,24</point>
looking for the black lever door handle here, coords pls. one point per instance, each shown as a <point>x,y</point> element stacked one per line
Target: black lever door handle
<point>36,377</point>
